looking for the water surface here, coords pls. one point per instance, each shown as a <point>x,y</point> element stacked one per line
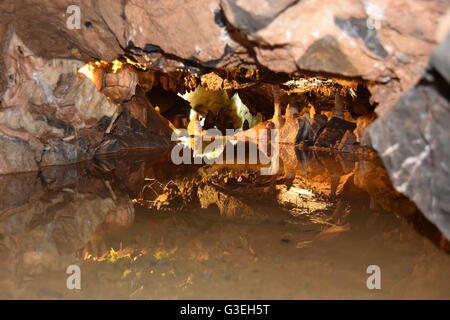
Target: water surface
<point>140,227</point>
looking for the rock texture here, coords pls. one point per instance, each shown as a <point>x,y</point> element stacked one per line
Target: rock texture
<point>51,115</point>
<point>386,42</point>
<point>138,126</point>
<point>46,219</point>
<point>228,205</point>
<point>412,141</point>
<point>294,130</point>
<point>120,86</point>
<point>48,112</point>
<point>17,155</point>
<point>333,132</point>
<point>54,117</point>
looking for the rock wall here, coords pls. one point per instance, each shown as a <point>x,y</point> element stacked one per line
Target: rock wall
<point>412,141</point>
<point>383,41</point>
<point>52,115</point>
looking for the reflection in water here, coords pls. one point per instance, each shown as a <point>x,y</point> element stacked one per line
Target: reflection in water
<point>142,228</point>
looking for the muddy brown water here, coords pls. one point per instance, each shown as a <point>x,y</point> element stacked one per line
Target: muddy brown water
<point>140,227</point>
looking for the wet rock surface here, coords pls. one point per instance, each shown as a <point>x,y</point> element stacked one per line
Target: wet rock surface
<point>386,43</point>
<point>294,130</point>
<point>45,230</point>
<point>228,205</point>
<point>46,218</point>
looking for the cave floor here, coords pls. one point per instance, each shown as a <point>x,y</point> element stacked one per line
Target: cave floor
<point>135,226</point>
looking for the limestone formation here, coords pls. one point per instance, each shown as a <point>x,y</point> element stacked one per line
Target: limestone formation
<point>413,144</point>
<point>50,115</point>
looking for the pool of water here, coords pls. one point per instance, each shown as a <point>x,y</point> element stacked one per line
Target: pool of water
<point>139,227</point>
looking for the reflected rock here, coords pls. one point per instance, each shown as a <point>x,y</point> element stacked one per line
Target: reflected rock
<point>16,191</point>
<point>372,177</point>
<point>229,205</point>
<point>42,229</point>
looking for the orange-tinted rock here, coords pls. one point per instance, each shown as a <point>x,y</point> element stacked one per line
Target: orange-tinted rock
<point>121,216</point>
<point>362,123</point>
<point>138,126</point>
<point>229,205</point>
<point>138,111</point>
<point>120,86</point>
<point>350,38</point>
<point>295,130</point>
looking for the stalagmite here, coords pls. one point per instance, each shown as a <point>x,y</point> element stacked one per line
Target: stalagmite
<point>291,110</point>
<point>277,118</point>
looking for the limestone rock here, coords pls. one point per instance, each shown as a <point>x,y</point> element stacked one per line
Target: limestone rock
<point>16,156</point>
<point>49,106</point>
<point>120,86</point>
<point>66,152</point>
<point>333,132</point>
<point>387,42</point>
<point>347,143</point>
<point>362,123</point>
<point>412,141</point>
<point>138,126</point>
<point>295,130</point>
<point>441,58</point>
<point>57,116</point>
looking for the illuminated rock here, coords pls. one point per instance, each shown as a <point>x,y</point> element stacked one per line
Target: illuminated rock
<point>412,141</point>
<point>121,85</point>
